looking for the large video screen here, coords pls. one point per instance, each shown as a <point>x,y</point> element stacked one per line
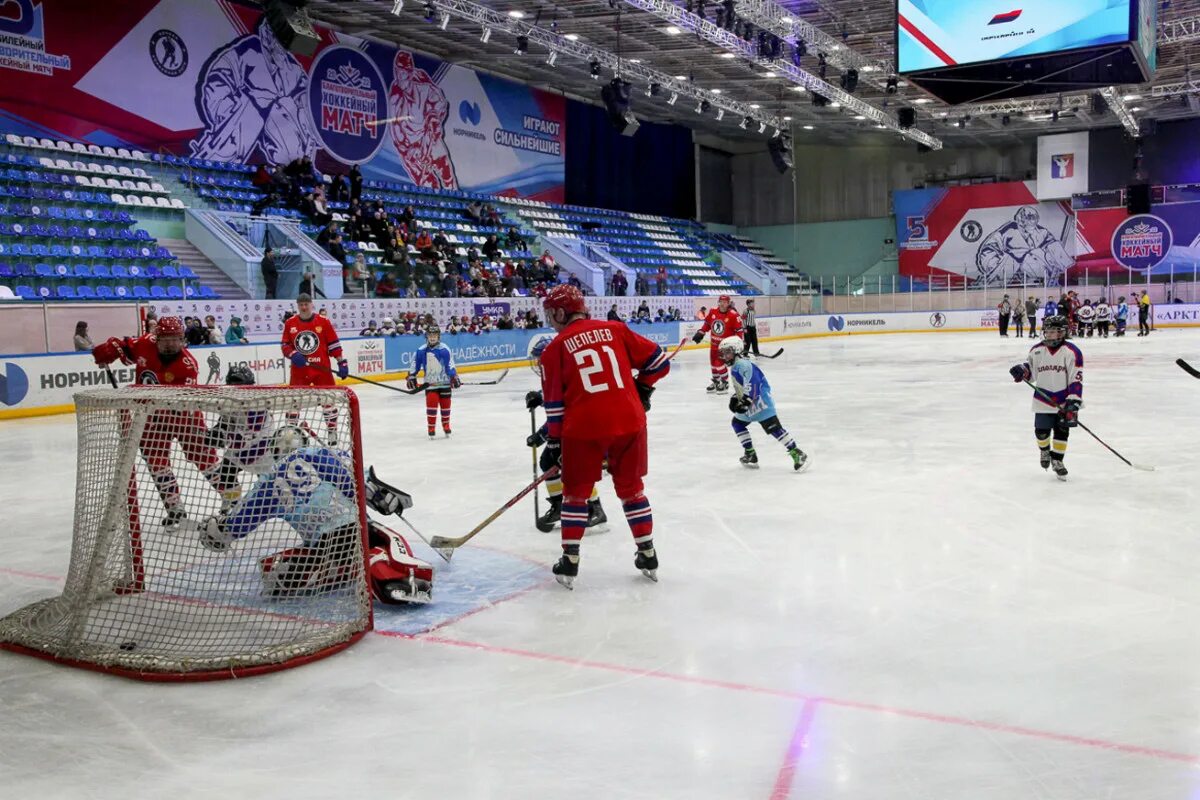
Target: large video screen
<point>935,34</point>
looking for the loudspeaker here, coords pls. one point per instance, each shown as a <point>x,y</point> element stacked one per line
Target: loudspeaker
<point>780,148</point>
<point>1137,198</point>
<point>907,117</point>
<point>1147,127</point>
<point>616,98</point>
<point>292,27</point>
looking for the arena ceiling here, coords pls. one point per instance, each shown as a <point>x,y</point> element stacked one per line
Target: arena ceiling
<point>860,30</point>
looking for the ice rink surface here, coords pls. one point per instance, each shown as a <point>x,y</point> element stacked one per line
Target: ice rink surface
<point>924,614</point>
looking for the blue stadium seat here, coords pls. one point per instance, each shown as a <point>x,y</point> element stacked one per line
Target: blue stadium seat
<point>120,271</point>
<point>174,292</point>
<point>6,271</point>
<point>188,292</point>
<point>157,292</point>
<point>43,271</point>
<point>104,292</point>
<point>150,272</point>
<point>122,291</point>
<point>85,292</point>
<point>169,272</point>
<point>60,251</point>
<point>62,271</point>
<point>26,293</point>
<point>141,293</point>
<point>134,271</point>
<point>207,293</point>
<point>100,271</point>
<point>83,271</point>
<point>187,272</point>
<point>66,293</point>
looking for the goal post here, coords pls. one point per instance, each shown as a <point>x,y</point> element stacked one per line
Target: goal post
<point>207,544</point>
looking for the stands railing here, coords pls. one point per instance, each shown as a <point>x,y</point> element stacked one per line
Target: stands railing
<point>754,271</point>
<point>229,248</point>
<point>570,257</point>
<point>313,257</point>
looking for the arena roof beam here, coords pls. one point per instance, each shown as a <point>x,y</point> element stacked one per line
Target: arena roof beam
<point>1113,98</point>
<point>1185,29</point>
<point>676,15</point>
<point>543,37</point>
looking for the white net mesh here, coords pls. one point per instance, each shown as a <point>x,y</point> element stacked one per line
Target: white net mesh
<point>217,530</point>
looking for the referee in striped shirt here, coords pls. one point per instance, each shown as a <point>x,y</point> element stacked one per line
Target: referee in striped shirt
<point>750,330</point>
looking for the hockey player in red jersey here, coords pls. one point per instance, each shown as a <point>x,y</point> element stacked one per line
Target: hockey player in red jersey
<point>721,322</point>
<point>311,343</point>
<point>160,358</point>
<point>596,409</point>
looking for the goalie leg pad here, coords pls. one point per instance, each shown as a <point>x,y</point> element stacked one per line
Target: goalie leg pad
<point>384,498</point>
<point>396,575</point>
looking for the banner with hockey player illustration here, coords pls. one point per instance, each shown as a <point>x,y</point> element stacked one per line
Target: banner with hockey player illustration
<point>208,78</point>
<point>995,234</point>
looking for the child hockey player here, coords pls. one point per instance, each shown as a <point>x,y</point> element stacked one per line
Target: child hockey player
<point>752,402</point>
<point>1086,315</point>
<point>723,321</point>
<point>1103,315</point>
<point>441,377</point>
<point>245,438</point>
<point>1122,315</point>
<point>1056,366</point>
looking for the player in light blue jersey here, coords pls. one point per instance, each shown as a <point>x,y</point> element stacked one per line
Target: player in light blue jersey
<point>441,376</point>
<point>752,402</point>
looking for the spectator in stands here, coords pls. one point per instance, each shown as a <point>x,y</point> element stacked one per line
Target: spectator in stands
<point>270,273</point>
<point>531,320</point>
<point>372,329</point>
<point>449,284</point>
<point>474,211</point>
<point>320,213</point>
<point>336,249</point>
<point>702,314</point>
<point>643,312</point>
<point>442,245</point>
<point>356,183</point>
<point>357,277</point>
<point>327,233</point>
<point>386,287</point>
<point>574,281</point>
<point>381,226</point>
<point>215,334</point>
<point>505,323</point>
<point>424,245</point>
<point>307,205</point>
<point>194,333</point>
<point>407,217</point>
<point>491,248</point>
<point>262,178</point>
<point>661,316</point>
<point>613,314</point>
<point>546,262</point>
<point>308,284</point>
<point>641,286</point>
<point>490,215</point>
<point>82,340</point>
<point>661,280</point>
<point>412,290</point>
<point>150,323</point>
<point>513,240</point>
<point>619,284</point>
<point>338,192</point>
<point>235,333</point>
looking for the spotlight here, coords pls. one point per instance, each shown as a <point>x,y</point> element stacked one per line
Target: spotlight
<point>445,21</point>
<point>850,80</point>
<point>703,107</point>
<point>1054,116</point>
<point>780,148</point>
<point>397,6</point>
<point>720,114</point>
<point>1005,120</point>
<point>762,127</point>
<point>522,45</point>
<point>594,67</point>
<point>744,123</point>
<point>552,57</point>
<point>486,35</point>
<point>671,100</point>
<point>653,90</point>
<point>892,83</point>
<point>429,12</point>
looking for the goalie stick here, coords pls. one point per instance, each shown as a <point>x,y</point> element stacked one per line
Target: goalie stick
<point>452,543</point>
<point>1188,368</point>
<point>1050,400</point>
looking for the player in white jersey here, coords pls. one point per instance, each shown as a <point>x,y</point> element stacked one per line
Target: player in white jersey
<point>1103,317</point>
<point>1086,315</point>
<point>245,439</point>
<point>1056,367</point>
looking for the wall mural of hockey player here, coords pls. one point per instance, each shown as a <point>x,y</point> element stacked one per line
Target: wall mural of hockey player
<point>1022,252</point>
<point>418,109</point>
<point>251,95</point>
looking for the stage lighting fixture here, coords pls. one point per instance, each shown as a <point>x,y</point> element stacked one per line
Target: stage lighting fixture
<point>720,114</point>
<point>429,12</point>
<point>522,45</point>
<point>445,21</point>
<point>744,123</point>
<point>762,127</point>
<point>594,68</point>
<point>397,6</point>
<point>892,83</point>
<point>486,35</point>
<point>671,100</point>
<point>552,57</point>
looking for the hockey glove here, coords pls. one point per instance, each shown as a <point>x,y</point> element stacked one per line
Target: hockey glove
<point>739,405</point>
<point>644,393</point>
<point>536,439</point>
<point>110,351</point>
<point>1069,411</point>
<point>343,369</point>
<point>384,498</point>
<point>411,382</point>
<point>551,456</point>
<point>455,382</point>
<point>1020,372</point>
<point>699,337</point>
<point>299,360</point>
<point>533,399</point>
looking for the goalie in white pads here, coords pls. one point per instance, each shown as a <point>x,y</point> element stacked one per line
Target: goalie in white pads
<point>752,402</point>
<point>245,439</point>
<point>1056,367</point>
<point>312,489</point>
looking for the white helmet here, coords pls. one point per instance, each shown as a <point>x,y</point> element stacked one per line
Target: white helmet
<point>731,347</point>
<point>388,322</point>
<point>287,439</point>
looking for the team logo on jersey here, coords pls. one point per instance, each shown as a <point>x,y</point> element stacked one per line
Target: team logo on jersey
<point>148,377</point>
<point>307,342</point>
<point>718,328</point>
<point>169,53</point>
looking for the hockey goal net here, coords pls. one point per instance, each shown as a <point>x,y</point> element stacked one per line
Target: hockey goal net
<point>218,532</point>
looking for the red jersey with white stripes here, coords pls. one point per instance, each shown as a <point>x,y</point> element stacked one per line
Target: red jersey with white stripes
<point>720,324</point>
<point>588,383</point>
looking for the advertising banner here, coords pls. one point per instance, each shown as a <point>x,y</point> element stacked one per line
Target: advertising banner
<point>1062,165</point>
<point>991,234</point>
<point>208,78</point>
<point>1162,243</point>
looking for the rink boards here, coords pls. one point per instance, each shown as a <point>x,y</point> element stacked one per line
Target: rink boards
<point>34,385</point>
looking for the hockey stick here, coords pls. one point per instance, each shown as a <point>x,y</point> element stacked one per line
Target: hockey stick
<point>453,543</point>
<point>1188,368</point>
<point>488,383</point>
<point>678,347</point>
<point>1048,399</point>
<point>444,552</point>
<point>368,380</point>
<point>778,353</point>
<point>537,511</point>
<point>113,378</point>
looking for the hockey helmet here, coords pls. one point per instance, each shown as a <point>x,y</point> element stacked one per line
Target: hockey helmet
<point>372,323</point>
<point>1056,324</point>
<point>239,375</point>
<point>287,439</point>
<point>730,348</point>
<point>387,322</point>
<point>169,326</point>
<point>566,298</point>
<point>433,335</point>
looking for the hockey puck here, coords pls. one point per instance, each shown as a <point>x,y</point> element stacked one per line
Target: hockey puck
<point>127,646</point>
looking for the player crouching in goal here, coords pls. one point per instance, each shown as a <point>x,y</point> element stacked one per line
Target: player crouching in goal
<point>312,489</point>
<point>752,402</point>
<point>1056,367</point>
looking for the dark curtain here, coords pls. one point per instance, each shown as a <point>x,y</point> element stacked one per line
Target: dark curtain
<point>651,172</point>
<point>1169,156</point>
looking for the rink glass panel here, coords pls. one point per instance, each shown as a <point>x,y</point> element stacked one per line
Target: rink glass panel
<point>149,600</point>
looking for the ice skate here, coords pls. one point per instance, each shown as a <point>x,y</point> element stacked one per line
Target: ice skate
<point>432,434</point>
<point>1060,469</point>
<point>647,561</point>
<point>1044,459</point>
<point>799,459</point>
<point>546,522</point>
<point>566,570</point>
<point>750,459</point>
<point>213,538</point>
<point>713,386</point>
<point>446,431</point>
<point>722,386</point>
<point>596,515</point>
<point>331,437</point>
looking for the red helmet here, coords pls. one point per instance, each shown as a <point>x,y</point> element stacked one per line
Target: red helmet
<point>723,299</point>
<point>566,297</point>
<point>169,326</point>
